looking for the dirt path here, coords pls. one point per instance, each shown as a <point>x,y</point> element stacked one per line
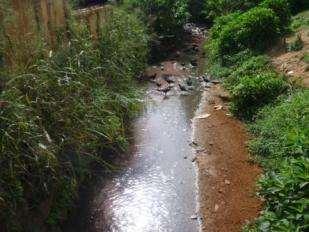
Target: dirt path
<point>226,176</point>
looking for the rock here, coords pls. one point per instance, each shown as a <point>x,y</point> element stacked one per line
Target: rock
<point>215,81</point>
<point>165,88</point>
<point>168,78</point>
<point>206,79</point>
<point>182,87</point>
<point>224,96</point>
<point>194,217</point>
<point>194,63</point>
<point>189,81</point>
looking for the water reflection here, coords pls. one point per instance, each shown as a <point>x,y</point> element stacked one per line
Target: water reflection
<point>157,191</point>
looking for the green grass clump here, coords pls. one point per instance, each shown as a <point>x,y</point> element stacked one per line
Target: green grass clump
<point>255,91</point>
<point>296,45</point>
<point>64,114</point>
<point>281,142</point>
<point>252,66</point>
<point>306,58</point>
<point>283,131</point>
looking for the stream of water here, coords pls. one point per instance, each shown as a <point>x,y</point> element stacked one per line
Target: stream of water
<point>157,189</point>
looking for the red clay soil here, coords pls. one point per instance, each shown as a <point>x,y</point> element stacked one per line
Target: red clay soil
<point>292,63</point>
<point>226,178</point>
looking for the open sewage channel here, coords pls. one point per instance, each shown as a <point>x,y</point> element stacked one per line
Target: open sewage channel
<point>157,189</point>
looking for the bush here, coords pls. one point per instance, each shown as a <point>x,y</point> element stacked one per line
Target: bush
<point>281,9</point>
<point>213,9</point>
<point>252,92</point>
<point>256,29</point>
<point>167,16</point>
<point>282,131</point>
<point>285,191</point>
<point>252,66</point>
<point>66,113</point>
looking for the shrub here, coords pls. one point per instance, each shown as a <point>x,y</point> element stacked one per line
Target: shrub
<point>252,92</point>
<point>282,131</point>
<point>300,21</point>
<point>256,29</point>
<point>252,66</point>
<point>213,9</point>
<point>285,191</point>
<point>281,9</point>
<point>167,16</point>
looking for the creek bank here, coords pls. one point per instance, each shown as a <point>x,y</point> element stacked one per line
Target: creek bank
<point>226,176</point>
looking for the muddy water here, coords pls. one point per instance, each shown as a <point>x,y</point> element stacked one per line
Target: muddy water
<point>157,191</point>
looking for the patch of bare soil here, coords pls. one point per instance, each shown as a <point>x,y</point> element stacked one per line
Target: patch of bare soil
<point>226,178</point>
<point>292,63</point>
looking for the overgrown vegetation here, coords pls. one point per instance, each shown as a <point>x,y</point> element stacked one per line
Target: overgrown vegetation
<point>276,111</point>
<point>62,115</point>
<point>166,16</point>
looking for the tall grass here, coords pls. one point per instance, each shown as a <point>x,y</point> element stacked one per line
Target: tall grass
<point>64,113</point>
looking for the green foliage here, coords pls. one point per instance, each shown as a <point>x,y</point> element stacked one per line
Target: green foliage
<point>254,91</point>
<point>281,9</point>
<point>286,192</point>
<point>252,66</point>
<point>125,34</point>
<point>167,16</point>
<point>282,138</point>
<point>255,29</point>
<point>282,131</point>
<point>296,45</point>
<point>64,113</point>
<point>306,58</point>
<point>300,21</point>
<point>214,8</point>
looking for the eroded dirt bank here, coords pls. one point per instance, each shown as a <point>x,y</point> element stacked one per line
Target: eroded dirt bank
<point>226,177</point>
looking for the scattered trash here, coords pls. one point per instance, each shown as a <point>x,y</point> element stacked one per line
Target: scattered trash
<point>218,107</point>
<point>194,217</point>
<point>216,207</point>
<point>227,182</point>
<point>203,116</point>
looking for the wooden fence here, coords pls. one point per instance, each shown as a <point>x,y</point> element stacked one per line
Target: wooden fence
<point>29,24</point>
